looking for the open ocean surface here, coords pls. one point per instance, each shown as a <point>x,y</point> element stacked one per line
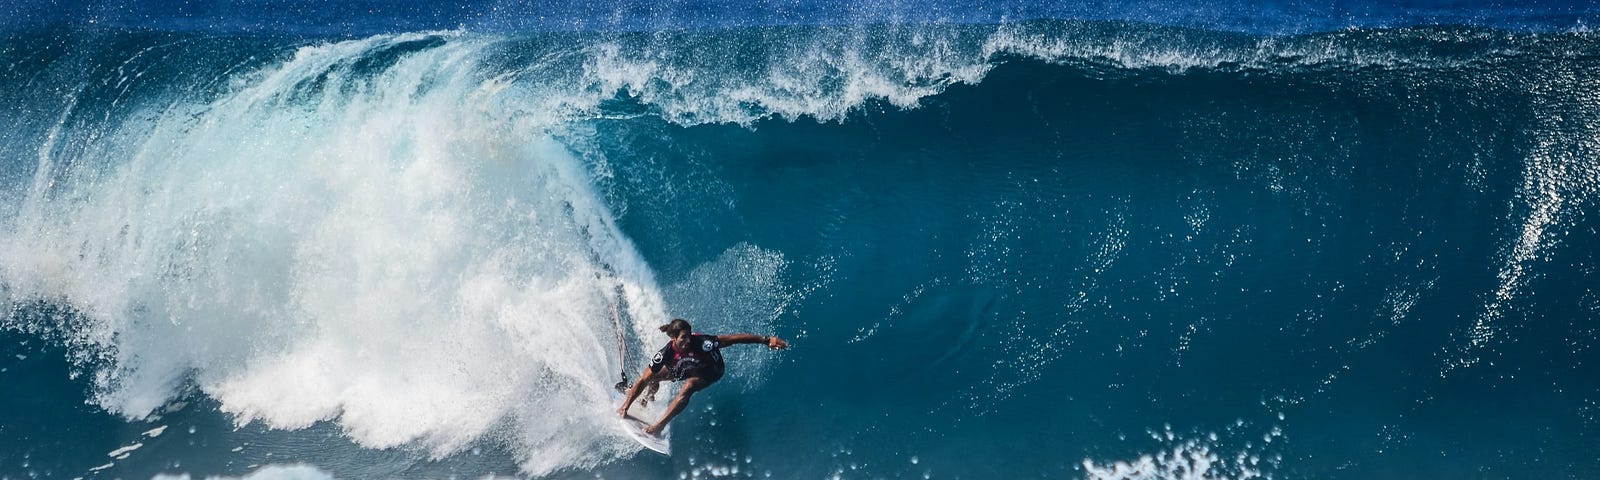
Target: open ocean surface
<point>1111,240</point>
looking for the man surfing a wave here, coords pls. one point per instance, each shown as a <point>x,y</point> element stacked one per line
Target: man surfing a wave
<point>695,359</point>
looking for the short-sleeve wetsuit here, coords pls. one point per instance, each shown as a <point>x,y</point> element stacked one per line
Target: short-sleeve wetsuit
<point>703,359</point>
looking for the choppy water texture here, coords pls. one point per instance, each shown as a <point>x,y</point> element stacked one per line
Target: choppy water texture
<point>1109,246</point>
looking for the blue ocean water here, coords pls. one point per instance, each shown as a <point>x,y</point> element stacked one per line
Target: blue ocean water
<point>1108,240</point>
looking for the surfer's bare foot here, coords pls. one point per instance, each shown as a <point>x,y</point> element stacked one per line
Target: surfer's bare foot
<point>654,430</point>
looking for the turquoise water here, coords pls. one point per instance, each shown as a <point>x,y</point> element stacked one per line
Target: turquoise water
<point>1181,244</point>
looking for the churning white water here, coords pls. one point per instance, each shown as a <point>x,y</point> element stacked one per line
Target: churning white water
<point>401,249</point>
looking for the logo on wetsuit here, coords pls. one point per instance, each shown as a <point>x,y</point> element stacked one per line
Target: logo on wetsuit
<point>705,362</point>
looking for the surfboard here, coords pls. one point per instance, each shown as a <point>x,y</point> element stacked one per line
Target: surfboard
<point>634,427</point>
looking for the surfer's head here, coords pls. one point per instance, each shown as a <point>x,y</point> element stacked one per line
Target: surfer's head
<point>679,330</point>
<point>676,327</point>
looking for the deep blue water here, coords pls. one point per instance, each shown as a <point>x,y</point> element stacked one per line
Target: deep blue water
<point>1129,240</point>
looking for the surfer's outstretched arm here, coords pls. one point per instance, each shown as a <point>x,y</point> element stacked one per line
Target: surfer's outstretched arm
<point>645,378</point>
<point>772,342</point>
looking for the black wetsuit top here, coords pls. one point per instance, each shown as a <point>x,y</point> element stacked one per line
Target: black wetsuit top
<point>703,359</point>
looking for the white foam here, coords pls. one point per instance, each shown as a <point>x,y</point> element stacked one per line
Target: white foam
<point>406,254</point>
<point>123,452</point>
<point>269,472</point>
<point>1185,458</point>
<point>822,74</point>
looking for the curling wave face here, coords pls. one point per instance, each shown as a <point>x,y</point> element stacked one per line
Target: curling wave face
<point>420,237</point>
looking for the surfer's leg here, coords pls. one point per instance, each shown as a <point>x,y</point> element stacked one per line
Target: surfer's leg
<point>690,385</point>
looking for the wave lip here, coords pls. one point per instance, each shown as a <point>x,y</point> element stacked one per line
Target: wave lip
<point>832,74</point>
<point>1258,17</point>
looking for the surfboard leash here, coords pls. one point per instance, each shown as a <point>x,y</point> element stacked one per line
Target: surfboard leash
<point>622,349</point>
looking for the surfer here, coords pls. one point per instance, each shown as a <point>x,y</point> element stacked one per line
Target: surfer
<point>695,359</point>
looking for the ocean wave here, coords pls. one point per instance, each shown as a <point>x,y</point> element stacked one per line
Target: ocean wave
<point>402,234</point>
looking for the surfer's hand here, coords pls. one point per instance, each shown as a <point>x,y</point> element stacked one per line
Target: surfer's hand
<point>653,430</point>
<point>776,343</point>
<point>622,411</point>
